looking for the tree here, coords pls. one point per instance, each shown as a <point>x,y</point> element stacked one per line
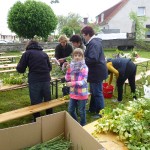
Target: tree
<point>140,30</point>
<point>67,31</point>
<point>139,25</point>
<point>72,21</point>
<point>31,18</point>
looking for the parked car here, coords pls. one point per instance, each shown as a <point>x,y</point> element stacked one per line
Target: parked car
<point>3,41</point>
<point>9,41</point>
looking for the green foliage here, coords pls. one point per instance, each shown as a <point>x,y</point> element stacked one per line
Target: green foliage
<point>57,143</point>
<point>131,55</point>
<point>72,21</point>
<point>15,79</point>
<point>57,71</point>
<point>67,31</point>
<point>31,18</point>
<point>126,121</point>
<point>140,30</point>
<point>68,59</point>
<point>139,25</point>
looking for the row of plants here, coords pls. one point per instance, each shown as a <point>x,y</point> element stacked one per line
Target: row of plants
<point>133,54</point>
<point>18,78</point>
<point>15,79</point>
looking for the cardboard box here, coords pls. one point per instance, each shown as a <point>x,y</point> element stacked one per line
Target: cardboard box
<point>46,128</point>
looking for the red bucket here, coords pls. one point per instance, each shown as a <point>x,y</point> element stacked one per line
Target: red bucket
<point>107,90</point>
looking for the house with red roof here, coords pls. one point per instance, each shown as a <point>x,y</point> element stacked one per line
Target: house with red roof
<point>117,20</point>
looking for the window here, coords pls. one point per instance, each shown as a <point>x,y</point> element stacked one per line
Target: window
<point>148,31</point>
<point>102,17</point>
<point>148,26</point>
<point>141,11</point>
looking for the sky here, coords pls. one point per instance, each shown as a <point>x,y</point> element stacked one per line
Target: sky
<point>85,8</point>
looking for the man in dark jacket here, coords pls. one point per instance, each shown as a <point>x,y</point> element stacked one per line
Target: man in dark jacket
<point>77,42</point>
<point>95,60</point>
<point>39,74</point>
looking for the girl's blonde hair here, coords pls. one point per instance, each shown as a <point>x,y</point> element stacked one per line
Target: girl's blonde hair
<point>78,51</point>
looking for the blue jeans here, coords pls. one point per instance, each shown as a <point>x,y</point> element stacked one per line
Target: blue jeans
<point>38,92</point>
<point>97,98</point>
<point>80,104</point>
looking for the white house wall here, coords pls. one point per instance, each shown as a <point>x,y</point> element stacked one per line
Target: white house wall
<point>122,20</point>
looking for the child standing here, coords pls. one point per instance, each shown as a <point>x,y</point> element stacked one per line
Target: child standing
<point>76,77</point>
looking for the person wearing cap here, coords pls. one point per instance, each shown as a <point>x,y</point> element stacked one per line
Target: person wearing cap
<point>123,69</point>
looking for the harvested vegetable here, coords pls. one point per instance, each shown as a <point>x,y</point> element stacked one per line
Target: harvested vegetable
<point>58,143</point>
<point>68,59</point>
<point>15,79</point>
<point>57,71</point>
<point>131,123</point>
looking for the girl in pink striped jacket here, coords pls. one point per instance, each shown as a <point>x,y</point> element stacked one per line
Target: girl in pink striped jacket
<point>76,77</point>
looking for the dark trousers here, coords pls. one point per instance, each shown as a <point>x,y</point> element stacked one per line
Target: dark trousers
<point>130,74</point>
<point>38,92</point>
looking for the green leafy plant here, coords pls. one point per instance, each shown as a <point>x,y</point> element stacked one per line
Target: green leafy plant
<point>140,30</point>
<point>57,71</point>
<point>120,54</point>
<point>127,121</point>
<point>15,79</point>
<point>68,59</point>
<point>57,143</point>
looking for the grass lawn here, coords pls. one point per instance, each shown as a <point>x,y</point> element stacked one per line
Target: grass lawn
<point>14,99</point>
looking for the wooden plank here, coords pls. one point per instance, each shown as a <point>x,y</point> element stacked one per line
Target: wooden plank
<point>51,54</point>
<point>138,77</point>
<point>8,66</point>
<point>15,114</point>
<point>13,87</point>
<point>48,50</point>
<point>31,109</point>
<point>5,71</point>
<point>5,62</point>
<point>3,59</point>
<point>141,60</point>
<point>2,53</point>
<point>24,85</point>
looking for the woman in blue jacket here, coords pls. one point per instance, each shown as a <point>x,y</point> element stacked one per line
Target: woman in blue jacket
<point>95,60</point>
